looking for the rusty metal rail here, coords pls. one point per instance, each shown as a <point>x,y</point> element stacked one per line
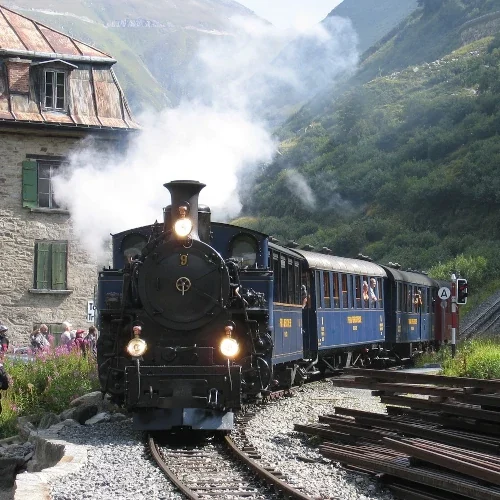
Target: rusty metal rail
<point>421,378</point>
<point>400,466</point>
<point>446,447</point>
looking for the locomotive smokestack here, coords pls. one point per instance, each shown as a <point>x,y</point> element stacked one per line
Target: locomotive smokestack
<point>184,205</point>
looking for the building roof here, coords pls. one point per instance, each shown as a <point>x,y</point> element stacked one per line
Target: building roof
<point>95,99</point>
<point>22,36</point>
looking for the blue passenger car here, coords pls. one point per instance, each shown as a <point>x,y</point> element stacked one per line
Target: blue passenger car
<point>345,307</point>
<point>286,318</point>
<point>410,311</point>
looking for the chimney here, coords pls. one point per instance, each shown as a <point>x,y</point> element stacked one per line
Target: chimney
<point>18,74</point>
<point>184,196</point>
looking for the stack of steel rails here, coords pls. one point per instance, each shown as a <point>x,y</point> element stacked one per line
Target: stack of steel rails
<point>439,440</point>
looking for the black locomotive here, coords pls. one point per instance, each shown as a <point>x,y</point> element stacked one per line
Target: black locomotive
<point>173,319</point>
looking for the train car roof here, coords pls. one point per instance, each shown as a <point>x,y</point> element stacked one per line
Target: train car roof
<point>286,250</point>
<point>341,264</point>
<point>410,277</point>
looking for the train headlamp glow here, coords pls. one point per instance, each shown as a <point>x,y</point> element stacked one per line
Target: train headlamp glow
<point>182,227</point>
<point>229,347</point>
<point>136,347</point>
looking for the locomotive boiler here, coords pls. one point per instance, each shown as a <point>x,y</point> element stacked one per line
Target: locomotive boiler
<point>175,330</point>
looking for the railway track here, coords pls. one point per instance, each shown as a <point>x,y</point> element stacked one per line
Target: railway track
<point>484,323</point>
<point>220,467</point>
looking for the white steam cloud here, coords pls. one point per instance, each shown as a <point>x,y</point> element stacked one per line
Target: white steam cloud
<point>108,195</point>
<point>298,185</point>
<point>211,138</point>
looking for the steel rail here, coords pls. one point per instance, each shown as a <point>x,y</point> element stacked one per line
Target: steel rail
<point>408,493</point>
<point>155,452</point>
<point>285,488</point>
<point>452,483</point>
<point>458,464</point>
<point>492,385</point>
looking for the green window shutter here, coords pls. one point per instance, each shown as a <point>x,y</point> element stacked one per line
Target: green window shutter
<point>42,251</point>
<point>30,184</point>
<point>59,259</point>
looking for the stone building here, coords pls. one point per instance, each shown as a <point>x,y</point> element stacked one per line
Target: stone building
<point>55,91</point>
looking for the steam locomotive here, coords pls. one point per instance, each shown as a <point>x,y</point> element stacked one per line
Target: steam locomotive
<point>196,317</point>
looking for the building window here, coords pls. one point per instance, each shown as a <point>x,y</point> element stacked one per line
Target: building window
<point>38,190</point>
<point>51,259</point>
<point>54,90</point>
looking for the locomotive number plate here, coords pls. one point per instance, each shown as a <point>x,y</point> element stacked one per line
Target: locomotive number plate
<point>184,259</point>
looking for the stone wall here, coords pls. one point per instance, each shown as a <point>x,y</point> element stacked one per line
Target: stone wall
<point>488,25</point>
<point>20,308</point>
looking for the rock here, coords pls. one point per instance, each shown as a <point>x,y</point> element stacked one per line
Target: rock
<point>117,417</point>
<point>95,399</point>
<point>13,460</point>
<point>9,468</point>
<point>84,413</point>
<point>98,419</point>
<point>25,427</point>
<point>69,413</point>
<point>69,422</point>
<point>47,453</point>
<point>48,420</point>
<point>87,399</point>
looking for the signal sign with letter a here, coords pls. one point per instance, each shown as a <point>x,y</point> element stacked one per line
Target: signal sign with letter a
<point>462,291</point>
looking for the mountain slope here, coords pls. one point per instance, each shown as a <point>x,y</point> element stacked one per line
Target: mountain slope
<point>401,168</point>
<point>373,20</point>
<point>153,41</point>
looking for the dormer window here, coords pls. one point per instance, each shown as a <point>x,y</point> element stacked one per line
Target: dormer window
<point>53,76</point>
<point>55,89</point>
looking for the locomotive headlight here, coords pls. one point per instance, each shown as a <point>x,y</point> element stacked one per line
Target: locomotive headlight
<point>229,347</point>
<point>182,227</point>
<point>136,347</point>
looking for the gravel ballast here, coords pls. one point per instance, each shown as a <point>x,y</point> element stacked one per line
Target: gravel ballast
<point>118,467</point>
<point>296,454</point>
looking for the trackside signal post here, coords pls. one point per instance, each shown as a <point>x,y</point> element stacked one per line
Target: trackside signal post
<point>453,315</point>
<point>459,292</point>
<point>444,293</point>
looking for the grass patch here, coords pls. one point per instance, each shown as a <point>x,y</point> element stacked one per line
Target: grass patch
<point>48,383</point>
<point>477,358</point>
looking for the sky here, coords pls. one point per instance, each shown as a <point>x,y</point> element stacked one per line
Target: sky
<point>284,14</point>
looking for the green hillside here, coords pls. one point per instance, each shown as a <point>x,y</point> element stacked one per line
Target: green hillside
<point>373,20</point>
<point>403,167</point>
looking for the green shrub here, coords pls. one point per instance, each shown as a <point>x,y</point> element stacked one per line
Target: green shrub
<point>48,383</point>
<point>478,358</point>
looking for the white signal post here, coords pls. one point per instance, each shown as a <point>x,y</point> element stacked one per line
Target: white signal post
<point>453,315</point>
<point>444,293</point>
